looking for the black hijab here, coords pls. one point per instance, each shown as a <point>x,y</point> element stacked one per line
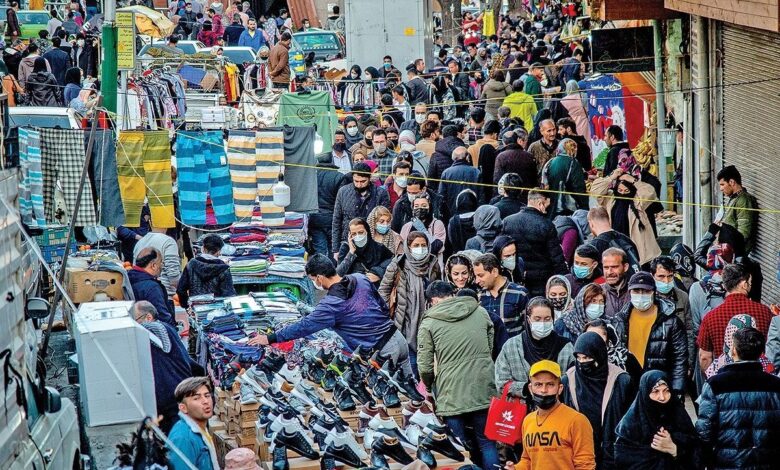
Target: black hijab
<point>535,350</point>
<point>590,387</point>
<point>357,137</point>
<point>623,204</point>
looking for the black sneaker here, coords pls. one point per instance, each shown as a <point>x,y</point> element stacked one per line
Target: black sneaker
<point>329,380</point>
<point>433,428</point>
<point>362,355</point>
<point>390,397</point>
<point>425,456</point>
<point>271,364</point>
<point>354,381</point>
<point>408,385</point>
<point>343,396</point>
<point>441,443</point>
<point>296,442</point>
<point>343,454</point>
<point>324,358</point>
<point>280,459</point>
<point>339,363</point>
<point>391,447</point>
<point>371,378</point>
<point>328,463</point>
<point>378,460</point>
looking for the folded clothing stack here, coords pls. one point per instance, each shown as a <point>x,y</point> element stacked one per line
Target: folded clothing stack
<point>229,326</point>
<point>288,266</point>
<point>250,267</point>
<point>286,248</point>
<point>244,306</point>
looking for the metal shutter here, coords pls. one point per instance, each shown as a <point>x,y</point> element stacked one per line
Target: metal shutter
<point>751,119</point>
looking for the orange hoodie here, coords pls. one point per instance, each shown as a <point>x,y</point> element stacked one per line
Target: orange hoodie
<point>563,440</point>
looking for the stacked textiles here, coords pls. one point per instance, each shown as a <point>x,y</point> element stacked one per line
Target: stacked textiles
<point>249,267</point>
<point>288,266</point>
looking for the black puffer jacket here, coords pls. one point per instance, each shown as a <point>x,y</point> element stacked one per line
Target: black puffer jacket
<point>538,245</point>
<point>442,159</point>
<point>349,205</point>
<point>739,417</point>
<point>41,89</point>
<point>667,347</point>
<point>205,276</point>
<point>329,181</point>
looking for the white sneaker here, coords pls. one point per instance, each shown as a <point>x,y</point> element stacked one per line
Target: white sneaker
<point>292,375</point>
<point>389,427</point>
<point>345,438</point>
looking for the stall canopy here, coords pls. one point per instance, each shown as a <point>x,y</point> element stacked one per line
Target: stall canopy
<point>150,22</point>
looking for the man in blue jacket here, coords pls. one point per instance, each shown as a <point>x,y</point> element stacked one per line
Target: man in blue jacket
<point>143,278</point>
<point>190,441</point>
<point>353,309</point>
<point>251,37</point>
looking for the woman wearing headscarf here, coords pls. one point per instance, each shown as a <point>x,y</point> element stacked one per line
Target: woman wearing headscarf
<point>487,223</point>
<point>736,323</point>
<point>41,88</point>
<point>599,390</point>
<point>558,292</point>
<point>512,266</point>
<point>72,84</point>
<point>347,94</point>
<point>565,177</point>
<point>576,106</point>
<point>509,200</point>
<point>446,97</point>
<point>460,272</point>
<point>424,221</point>
<point>352,131</point>
<point>537,342</point>
<point>379,220</point>
<point>588,306</point>
<point>627,212</point>
<point>361,254</point>
<point>461,225</point>
<point>375,178</point>
<point>403,286</point>
<point>656,433</point>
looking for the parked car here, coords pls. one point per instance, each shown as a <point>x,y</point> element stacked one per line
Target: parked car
<point>32,21</point>
<point>326,45</point>
<point>64,118</point>
<point>187,47</point>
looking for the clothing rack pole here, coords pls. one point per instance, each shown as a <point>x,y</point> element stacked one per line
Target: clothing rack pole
<point>76,206</point>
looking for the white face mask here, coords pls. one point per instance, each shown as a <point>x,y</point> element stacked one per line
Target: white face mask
<point>419,118</point>
<point>401,181</point>
<point>80,43</point>
<point>509,262</point>
<point>419,252</point>
<point>317,286</point>
<point>352,131</point>
<point>411,197</point>
<point>594,311</point>
<point>408,147</point>
<point>541,329</point>
<point>641,302</point>
<point>360,240</point>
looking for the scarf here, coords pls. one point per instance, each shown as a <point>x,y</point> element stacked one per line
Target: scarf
<point>158,329</point>
<point>619,216</point>
<point>350,139</point>
<point>389,239</point>
<point>416,274</point>
<point>575,320</point>
<point>590,387</point>
<point>535,350</point>
<point>568,304</point>
<point>736,323</point>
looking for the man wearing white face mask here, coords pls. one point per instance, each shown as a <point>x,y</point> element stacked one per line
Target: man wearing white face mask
<point>663,270</point>
<point>420,114</point>
<point>652,332</point>
<point>397,187</point>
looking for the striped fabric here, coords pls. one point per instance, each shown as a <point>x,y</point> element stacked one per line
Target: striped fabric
<point>200,158</point>
<point>31,187</point>
<point>243,171</point>
<point>62,160</point>
<point>269,148</point>
<point>144,170</point>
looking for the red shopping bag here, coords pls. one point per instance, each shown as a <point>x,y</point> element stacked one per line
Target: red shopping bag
<point>505,418</point>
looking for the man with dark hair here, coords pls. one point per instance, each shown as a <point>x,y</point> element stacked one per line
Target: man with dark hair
<point>397,188</point>
<point>739,409</point>
<point>190,435</point>
<point>476,122</point>
<point>279,61</point>
<point>58,60</point>
<point>515,159</point>
<point>604,236</point>
<point>12,27</point>
<point>663,270</point>
<point>615,141</point>
<point>442,156</point>
<point>489,137</point>
<point>143,279</point>
<point>585,268</point>
<point>353,309</point>
<point>456,178</point>
<point>567,129</point>
<point>383,154</point>
<point>415,187</point>
<point>430,132</point>
<point>418,89</point>
<point>737,282</point>
<point>537,242</point>
<point>355,200</point>
<point>399,100</point>
<point>457,334</point>
<point>336,21</point>
<point>206,273</point>
<point>503,299</point>
<point>739,205</point>
<point>170,361</point>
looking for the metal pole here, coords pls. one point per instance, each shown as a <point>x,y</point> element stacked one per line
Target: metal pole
<point>660,108</point>
<point>109,67</point>
<point>703,114</point>
<point>122,121</point>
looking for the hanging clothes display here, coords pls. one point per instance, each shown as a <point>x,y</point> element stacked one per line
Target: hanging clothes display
<point>232,90</point>
<point>256,77</point>
<point>156,101</point>
<point>201,163</point>
<point>260,109</point>
<point>31,186</point>
<point>270,162</point>
<point>104,178</point>
<point>301,171</point>
<point>144,169</point>
<point>308,109</point>
<point>243,172</point>
<point>62,161</point>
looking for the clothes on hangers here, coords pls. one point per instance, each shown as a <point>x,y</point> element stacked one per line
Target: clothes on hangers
<point>308,109</point>
<point>104,178</point>
<point>31,205</point>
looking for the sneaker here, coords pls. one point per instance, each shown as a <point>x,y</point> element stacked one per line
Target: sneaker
<point>379,461</point>
<point>342,436</point>
<point>425,455</point>
<point>354,381</point>
<point>247,395</point>
<point>362,355</point>
<point>423,415</point>
<point>324,358</point>
<point>391,447</point>
<point>255,379</point>
<point>339,364</point>
<point>271,364</point>
<point>296,441</point>
<point>414,434</point>
<point>291,374</point>
<point>329,380</point>
<point>320,427</point>
<point>265,415</point>
<point>343,396</point>
<point>432,428</point>
<point>306,393</point>
<point>383,423</point>
<point>408,385</point>
<point>409,409</point>
<point>367,411</point>
<point>343,455</point>
<point>390,397</point>
<point>311,368</point>
<point>442,444</point>
<point>280,459</point>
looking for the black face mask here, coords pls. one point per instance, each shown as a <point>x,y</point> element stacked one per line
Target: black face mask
<point>339,146</point>
<point>421,212</point>
<point>558,303</point>
<point>369,142</point>
<point>545,402</point>
<point>587,368</point>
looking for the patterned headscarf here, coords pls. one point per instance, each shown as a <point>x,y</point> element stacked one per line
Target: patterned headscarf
<point>628,164</point>
<point>737,322</point>
<point>389,239</point>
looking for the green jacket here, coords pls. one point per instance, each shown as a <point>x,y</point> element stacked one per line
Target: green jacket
<point>556,172</point>
<point>457,335</point>
<point>534,88</point>
<point>744,221</point>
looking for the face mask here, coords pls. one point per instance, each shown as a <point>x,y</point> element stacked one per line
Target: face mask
<point>587,368</point>
<point>352,131</point>
<point>509,262</point>
<point>354,76</point>
<point>80,43</point>
<point>419,252</point>
<point>387,66</point>
<point>664,287</point>
<point>380,148</point>
<point>545,402</point>
<point>541,329</point>
<point>382,228</point>
<point>318,286</point>
<point>394,142</point>
<point>420,212</point>
<point>360,240</point>
<point>411,197</point>
<point>594,311</point>
<point>339,146</point>
<point>642,302</point>
<point>580,272</point>
<point>558,303</point>
<point>401,181</point>
<point>369,142</point>
<point>420,118</point>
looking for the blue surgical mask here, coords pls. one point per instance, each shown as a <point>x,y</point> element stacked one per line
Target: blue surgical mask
<point>580,272</point>
<point>641,302</point>
<point>541,329</point>
<point>382,228</point>
<point>360,240</point>
<point>664,287</point>
<point>510,262</point>
<point>419,252</point>
<point>594,311</point>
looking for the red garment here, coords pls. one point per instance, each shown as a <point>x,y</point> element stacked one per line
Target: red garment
<point>393,195</point>
<point>713,326</point>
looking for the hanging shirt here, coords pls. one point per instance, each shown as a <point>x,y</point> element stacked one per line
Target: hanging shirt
<point>315,108</point>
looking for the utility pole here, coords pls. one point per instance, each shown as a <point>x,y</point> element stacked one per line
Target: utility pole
<point>109,69</point>
<point>660,111</point>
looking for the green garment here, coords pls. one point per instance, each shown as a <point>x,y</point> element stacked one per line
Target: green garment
<point>534,88</point>
<point>557,171</point>
<point>522,106</point>
<point>457,333</point>
<point>311,109</point>
<point>744,221</point>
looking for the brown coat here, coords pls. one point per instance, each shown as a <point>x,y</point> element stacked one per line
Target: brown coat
<point>279,61</point>
<point>645,241</point>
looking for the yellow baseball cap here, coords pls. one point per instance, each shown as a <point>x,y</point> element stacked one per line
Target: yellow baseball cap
<point>545,366</point>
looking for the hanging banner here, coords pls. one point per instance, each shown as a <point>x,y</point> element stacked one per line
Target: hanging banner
<point>125,40</point>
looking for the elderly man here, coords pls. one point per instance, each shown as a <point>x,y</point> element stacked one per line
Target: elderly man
<point>456,179</point>
<point>544,149</point>
<point>146,285</point>
<point>420,113</point>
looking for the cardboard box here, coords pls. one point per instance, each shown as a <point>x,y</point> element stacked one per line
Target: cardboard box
<point>83,286</point>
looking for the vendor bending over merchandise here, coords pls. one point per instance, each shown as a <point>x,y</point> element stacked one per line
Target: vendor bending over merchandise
<point>353,309</point>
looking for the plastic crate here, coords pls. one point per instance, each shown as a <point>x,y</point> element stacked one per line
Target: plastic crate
<point>55,253</point>
<point>53,235</point>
